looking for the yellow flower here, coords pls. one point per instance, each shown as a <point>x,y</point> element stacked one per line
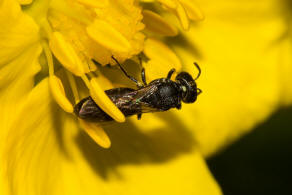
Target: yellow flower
<point>47,47</point>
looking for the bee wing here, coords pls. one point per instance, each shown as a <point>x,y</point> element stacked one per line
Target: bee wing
<point>88,110</point>
<point>143,94</point>
<point>146,91</point>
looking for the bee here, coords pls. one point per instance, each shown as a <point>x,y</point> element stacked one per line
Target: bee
<point>157,96</point>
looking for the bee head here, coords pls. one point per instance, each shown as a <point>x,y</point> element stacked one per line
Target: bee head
<point>188,86</point>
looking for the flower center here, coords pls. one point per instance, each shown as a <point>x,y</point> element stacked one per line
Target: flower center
<point>76,32</point>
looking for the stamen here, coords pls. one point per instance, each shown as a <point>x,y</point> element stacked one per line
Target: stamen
<point>106,84</point>
<point>107,36</point>
<point>73,86</point>
<point>46,29</point>
<point>105,102</point>
<point>85,80</point>
<point>24,2</point>
<point>157,24</point>
<point>91,65</point>
<point>55,83</point>
<point>171,4</point>
<point>102,100</point>
<point>193,10</point>
<point>96,133</point>
<point>179,10</point>
<point>182,16</point>
<point>65,53</point>
<point>94,3</point>
<point>64,8</point>
<point>58,93</point>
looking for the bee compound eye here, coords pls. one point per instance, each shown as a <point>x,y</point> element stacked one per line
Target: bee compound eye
<point>188,87</point>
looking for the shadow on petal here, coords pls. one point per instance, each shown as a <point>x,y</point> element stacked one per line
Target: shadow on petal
<point>131,146</point>
<point>183,42</point>
<point>58,120</point>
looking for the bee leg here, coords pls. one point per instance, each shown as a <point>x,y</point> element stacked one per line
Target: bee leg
<point>143,76</point>
<point>170,73</point>
<point>178,106</point>
<point>139,85</point>
<point>139,116</point>
<point>143,70</point>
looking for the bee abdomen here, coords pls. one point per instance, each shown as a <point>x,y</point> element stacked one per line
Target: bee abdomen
<point>88,110</point>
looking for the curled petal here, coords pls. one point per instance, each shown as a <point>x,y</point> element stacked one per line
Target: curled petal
<point>65,53</point>
<point>193,11</point>
<point>157,24</point>
<point>104,102</point>
<point>172,4</point>
<point>58,93</point>
<point>96,132</point>
<point>107,36</point>
<point>183,17</point>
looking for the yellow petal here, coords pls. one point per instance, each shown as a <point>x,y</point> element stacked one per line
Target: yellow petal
<point>59,95</point>
<point>239,82</point>
<point>157,24</point>
<point>96,132</point>
<point>15,84</point>
<point>65,53</point>
<point>165,159</point>
<point>32,142</point>
<point>104,102</point>
<point>17,33</point>
<point>14,70</point>
<point>286,71</point>
<point>107,36</point>
<point>19,64</point>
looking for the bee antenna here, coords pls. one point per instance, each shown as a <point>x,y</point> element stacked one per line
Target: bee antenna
<point>199,69</point>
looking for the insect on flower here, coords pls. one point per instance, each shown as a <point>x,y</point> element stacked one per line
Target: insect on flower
<point>157,96</point>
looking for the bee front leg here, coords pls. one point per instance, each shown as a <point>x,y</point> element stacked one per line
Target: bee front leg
<point>139,116</point>
<point>139,85</point>
<point>143,76</point>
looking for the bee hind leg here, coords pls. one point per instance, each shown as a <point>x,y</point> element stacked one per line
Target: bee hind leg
<point>139,116</point>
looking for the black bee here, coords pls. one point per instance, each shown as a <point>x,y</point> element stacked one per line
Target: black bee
<point>157,96</point>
